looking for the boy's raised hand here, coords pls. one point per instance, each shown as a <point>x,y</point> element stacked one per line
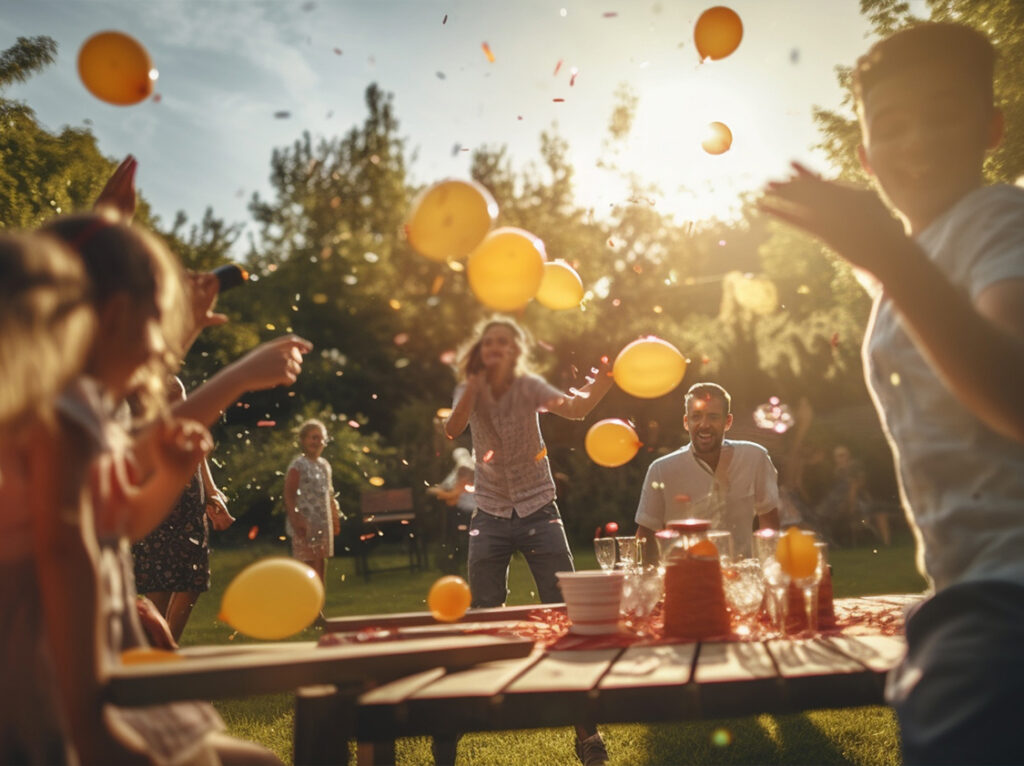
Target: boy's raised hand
<point>119,192</point>
<point>851,220</point>
<point>277,362</point>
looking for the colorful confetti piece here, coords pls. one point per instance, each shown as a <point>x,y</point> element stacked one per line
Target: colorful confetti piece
<point>487,52</point>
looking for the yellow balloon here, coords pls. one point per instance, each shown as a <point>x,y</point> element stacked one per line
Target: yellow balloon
<point>115,68</point>
<point>506,269</point>
<point>649,367</point>
<point>718,32</point>
<point>450,218</point>
<point>274,598</point>
<point>561,287</point>
<point>796,553</point>
<point>718,138</point>
<point>449,598</point>
<point>611,442</point>
<point>138,655</point>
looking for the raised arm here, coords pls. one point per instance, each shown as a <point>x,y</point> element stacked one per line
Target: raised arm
<point>976,347</point>
<point>275,363</point>
<point>578,404</point>
<point>459,419</point>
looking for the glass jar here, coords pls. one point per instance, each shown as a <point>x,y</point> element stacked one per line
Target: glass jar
<point>694,596</point>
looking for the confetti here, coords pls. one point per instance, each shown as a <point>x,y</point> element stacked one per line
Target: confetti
<point>558,100</point>
<point>337,51</point>
<point>282,115</point>
<point>558,66</point>
<point>376,481</point>
<point>488,456</point>
<point>488,52</point>
<point>572,80</point>
<point>610,14</point>
<point>834,342</point>
<point>540,455</point>
<point>266,423</point>
<point>444,20</point>
<point>253,532</point>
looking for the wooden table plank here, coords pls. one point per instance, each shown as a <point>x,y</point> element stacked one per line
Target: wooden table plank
<point>410,619</point>
<point>277,670</point>
<point>818,675</point>
<point>735,678</point>
<point>472,698</point>
<point>877,653</point>
<point>649,683</point>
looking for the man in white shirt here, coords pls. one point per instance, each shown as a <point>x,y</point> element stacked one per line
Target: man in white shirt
<point>726,482</point>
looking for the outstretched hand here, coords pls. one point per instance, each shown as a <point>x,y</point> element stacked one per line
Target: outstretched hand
<point>851,220</point>
<point>119,192</point>
<point>277,362</point>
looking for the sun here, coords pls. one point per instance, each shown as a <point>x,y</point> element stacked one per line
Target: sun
<point>666,147</point>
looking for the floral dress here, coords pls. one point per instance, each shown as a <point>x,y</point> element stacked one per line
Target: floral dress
<point>175,556</point>
<point>314,503</point>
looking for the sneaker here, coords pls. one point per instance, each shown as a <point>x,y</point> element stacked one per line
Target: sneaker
<point>591,751</point>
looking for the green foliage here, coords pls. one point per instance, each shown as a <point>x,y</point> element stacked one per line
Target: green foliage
<point>26,57</point>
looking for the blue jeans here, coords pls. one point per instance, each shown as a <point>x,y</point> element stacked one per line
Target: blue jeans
<point>540,537</point>
<point>958,692</point>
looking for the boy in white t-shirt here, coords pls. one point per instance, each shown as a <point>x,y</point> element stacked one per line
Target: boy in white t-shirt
<point>944,357</point>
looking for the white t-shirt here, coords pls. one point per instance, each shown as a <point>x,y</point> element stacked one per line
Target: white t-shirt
<point>962,483</point>
<point>681,486</point>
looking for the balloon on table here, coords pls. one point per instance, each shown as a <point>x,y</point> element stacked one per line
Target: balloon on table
<point>718,139</point>
<point>561,287</point>
<point>649,367</point>
<point>450,218</point>
<point>273,598</point>
<point>718,32</point>
<point>506,269</point>
<point>116,68</point>
<point>449,598</point>
<point>137,655</point>
<point>611,443</point>
<point>796,553</point>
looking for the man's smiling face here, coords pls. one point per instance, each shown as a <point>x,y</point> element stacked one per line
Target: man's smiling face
<point>706,421</point>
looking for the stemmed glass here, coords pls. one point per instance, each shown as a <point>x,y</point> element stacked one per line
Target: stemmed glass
<point>604,550</point>
<point>744,591</point>
<point>809,586</point>
<point>723,542</point>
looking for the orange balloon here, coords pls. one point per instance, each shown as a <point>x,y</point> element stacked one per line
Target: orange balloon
<point>450,218</point>
<point>611,442</point>
<point>506,269</point>
<point>796,553</point>
<point>718,139</point>
<point>561,287</point>
<point>718,32</point>
<point>449,598</point>
<point>705,549</point>
<point>115,68</point>
<point>140,654</point>
<point>649,367</point>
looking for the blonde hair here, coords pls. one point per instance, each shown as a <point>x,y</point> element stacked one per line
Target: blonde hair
<point>308,426</point>
<point>46,323</point>
<point>123,259</point>
<point>468,356</point>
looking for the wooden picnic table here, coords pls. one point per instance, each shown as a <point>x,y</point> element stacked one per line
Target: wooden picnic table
<point>416,677</point>
<point>632,684</point>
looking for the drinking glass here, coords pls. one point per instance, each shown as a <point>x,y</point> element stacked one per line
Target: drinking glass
<point>744,591</point>
<point>777,584</point>
<point>723,541</point>
<point>604,550</point>
<point>809,586</point>
<point>641,591</point>
<point>629,552</point>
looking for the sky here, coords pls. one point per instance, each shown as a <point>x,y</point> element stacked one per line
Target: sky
<point>227,67</point>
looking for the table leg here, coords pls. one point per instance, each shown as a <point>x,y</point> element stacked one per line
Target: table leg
<point>324,722</point>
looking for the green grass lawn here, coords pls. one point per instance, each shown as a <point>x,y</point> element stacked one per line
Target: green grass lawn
<point>859,736</point>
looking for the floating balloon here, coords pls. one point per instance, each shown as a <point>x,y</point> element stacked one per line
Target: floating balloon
<point>718,32</point>
<point>649,367</point>
<point>611,442</point>
<point>273,598</point>
<point>561,287</point>
<point>138,655</point>
<point>718,138</point>
<point>450,218</point>
<point>116,68</point>
<point>796,553</point>
<point>449,598</point>
<point>506,268</point>
<point>611,528</point>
